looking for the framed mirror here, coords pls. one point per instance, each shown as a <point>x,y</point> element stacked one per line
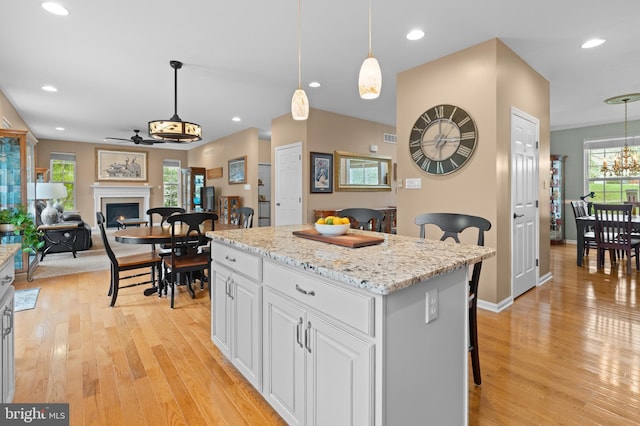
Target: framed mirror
<point>361,172</point>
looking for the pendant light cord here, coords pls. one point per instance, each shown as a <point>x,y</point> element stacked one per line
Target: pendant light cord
<point>175,91</point>
<point>299,50</point>
<point>370,53</point>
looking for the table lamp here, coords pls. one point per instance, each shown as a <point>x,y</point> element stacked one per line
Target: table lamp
<point>50,191</point>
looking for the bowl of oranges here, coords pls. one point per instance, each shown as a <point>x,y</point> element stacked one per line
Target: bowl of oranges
<point>333,225</point>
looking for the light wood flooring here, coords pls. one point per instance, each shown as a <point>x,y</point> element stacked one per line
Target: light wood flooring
<point>567,352</point>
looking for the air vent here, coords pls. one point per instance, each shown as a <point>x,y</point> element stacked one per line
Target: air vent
<point>5,123</point>
<point>389,138</point>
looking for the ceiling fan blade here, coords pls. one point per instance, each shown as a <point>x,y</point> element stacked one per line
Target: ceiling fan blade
<point>118,139</point>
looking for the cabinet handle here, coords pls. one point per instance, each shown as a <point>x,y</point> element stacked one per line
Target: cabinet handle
<point>230,287</point>
<point>299,332</point>
<point>8,313</point>
<point>6,279</point>
<point>307,337</point>
<point>303,291</point>
<point>230,259</point>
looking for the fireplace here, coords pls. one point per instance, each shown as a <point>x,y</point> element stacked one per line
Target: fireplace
<point>108,194</point>
<point>121,211</point>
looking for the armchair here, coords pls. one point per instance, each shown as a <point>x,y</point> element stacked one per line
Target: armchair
<point>53,237</point>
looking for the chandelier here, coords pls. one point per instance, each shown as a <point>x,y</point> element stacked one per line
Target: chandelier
<point>626,161</point>
<point>174,129</point>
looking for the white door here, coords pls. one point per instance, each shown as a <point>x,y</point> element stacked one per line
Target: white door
<point>524,199</point>
<point>288,184</point>
<point>284,357</point>
<point>339,376</point>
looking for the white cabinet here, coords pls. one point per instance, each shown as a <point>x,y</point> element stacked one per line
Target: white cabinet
<point>7,351</point>
<point>317,371</point>
<point>236,315</point>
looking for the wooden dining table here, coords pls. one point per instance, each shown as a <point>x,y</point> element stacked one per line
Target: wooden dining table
<point>157,234</point>
<point>587,222</point>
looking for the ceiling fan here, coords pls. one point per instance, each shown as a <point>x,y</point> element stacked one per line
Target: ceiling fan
<point>137,139</point>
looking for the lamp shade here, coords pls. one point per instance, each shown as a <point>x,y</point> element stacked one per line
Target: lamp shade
<point>299,105</point>
<point>370,79</point>
<point>50,190</point>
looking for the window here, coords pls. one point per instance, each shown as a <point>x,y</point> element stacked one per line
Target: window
<point>63,169</point>
<point>610,188</point>
<point>171,183</point>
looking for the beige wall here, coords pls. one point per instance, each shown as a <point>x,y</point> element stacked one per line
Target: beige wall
<point>327,132</point>
<point>86,169</point>
<point>264,152</point>
<point>218,153</point>
<point>485,80</point>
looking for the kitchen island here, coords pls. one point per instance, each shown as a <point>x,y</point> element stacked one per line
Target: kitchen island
<point>335,335</point>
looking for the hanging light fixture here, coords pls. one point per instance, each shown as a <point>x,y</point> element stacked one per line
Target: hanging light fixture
<point>299,102</point>
<point>625,162</point>
<point>370,78</point>
<point>174,129</point>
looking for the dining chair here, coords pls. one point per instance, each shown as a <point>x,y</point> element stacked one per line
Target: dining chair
<point>188,260</point>
<point>245,216</point>
<point>121,264</point>
<point>452,224</point>
<point>363,218</point>
<point>580,210</point>
<point>613,232</point>
<point>164,213</point>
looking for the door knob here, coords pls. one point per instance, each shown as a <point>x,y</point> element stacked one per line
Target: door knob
<point>515,216</point>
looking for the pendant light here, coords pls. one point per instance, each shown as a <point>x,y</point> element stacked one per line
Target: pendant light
<point>174,129</point>
<point>370,78</point>
<point>299,102</point>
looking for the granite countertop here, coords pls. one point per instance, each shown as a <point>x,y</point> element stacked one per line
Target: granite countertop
<point>7,251</point>
<point>398,262</point>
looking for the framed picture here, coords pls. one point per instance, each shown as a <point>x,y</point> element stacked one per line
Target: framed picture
<point>238,170</point>
<point>321,172</point>
<point>121,166</point>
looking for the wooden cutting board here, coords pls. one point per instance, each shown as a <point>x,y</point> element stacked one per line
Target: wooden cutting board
<point>349,239</point>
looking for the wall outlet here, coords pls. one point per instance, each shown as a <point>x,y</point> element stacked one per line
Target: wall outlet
<point>431,305</point>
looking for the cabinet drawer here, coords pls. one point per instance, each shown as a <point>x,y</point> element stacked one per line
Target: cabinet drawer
<point>240,261</point>
<point>349,307</point>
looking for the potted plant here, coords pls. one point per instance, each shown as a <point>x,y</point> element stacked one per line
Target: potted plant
<point>22,224</point>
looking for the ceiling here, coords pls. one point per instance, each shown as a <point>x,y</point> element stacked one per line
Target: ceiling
<point>110,60</point>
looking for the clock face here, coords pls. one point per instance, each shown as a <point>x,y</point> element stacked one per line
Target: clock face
<point>443,139</point>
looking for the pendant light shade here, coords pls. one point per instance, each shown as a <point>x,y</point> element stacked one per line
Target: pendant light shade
<point>174,129</point>
<point>370,78</point>
<point>299,105</point>
<point>299,101</point>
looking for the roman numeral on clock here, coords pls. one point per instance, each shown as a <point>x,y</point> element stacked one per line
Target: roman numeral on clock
<point>465,151</point>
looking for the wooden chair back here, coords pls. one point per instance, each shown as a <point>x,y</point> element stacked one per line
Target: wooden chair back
<point>245,216</point>
<point>363,218</point>
<point>164,213</point>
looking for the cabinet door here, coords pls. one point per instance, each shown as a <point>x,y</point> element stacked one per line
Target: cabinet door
<point>246,340</point>
<point>7,374</point>
<point>339,376</point>
<point>221,310</point>
<point>284,357</point>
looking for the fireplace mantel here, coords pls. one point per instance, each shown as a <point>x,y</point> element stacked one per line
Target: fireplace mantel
<point>119,191</point>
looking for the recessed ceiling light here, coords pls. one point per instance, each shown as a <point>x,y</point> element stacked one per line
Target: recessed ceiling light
<point>415,35</point>
<point>49,88</point>
<point>59,128</point>
<point>315,84</point>
<point>236,118</point>
<point>594,42</point>
<point>55,8</point>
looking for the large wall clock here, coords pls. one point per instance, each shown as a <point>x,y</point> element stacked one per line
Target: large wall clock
<point>443,139</point>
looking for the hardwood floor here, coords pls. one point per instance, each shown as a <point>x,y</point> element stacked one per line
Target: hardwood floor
<point>567,352</point>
